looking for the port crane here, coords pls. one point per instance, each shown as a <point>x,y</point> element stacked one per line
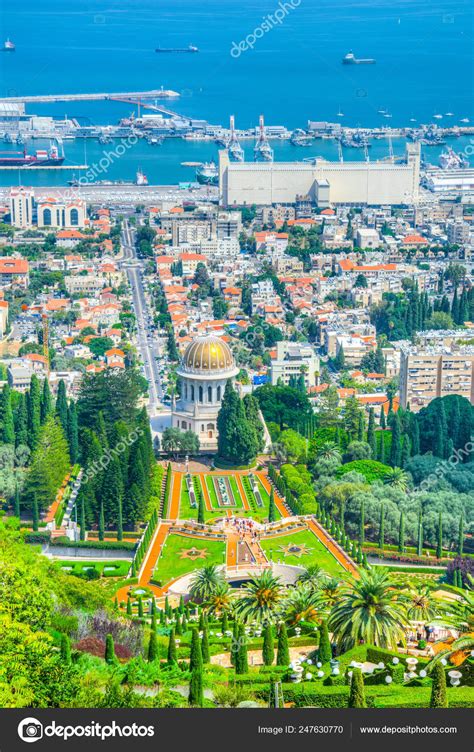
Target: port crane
<point>262,151</point>
<point>235,149</point>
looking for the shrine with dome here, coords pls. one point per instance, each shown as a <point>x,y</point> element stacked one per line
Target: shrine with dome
<point>206,367</point>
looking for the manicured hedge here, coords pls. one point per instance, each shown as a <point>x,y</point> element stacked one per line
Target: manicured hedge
<point>112,545</point>
<point>41,536</point>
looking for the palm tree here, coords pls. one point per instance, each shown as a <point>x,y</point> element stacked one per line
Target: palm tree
<point>313,575</point>
<point>205,582</point>
<point>368,610</point>
<point>397,478</point>
<point>302,604</point>
<point>261,599</point>
<point>329,451</point>
<point>220,599</point>
<point>329,592</point>
<point>420,606</point>
<point>457,613</point>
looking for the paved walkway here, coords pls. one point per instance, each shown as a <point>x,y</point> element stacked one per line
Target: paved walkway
<point>173,507</point>
<point>328,542</point>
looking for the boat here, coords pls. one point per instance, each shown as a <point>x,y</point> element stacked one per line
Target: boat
<point>351,59</point>
<point>207,173</point>
<point>449,114</point>
<point>300,138</point>
<point>190,48</point>
<point>464,120</point>
<point>141,178</point>
<point>41,158</point>
<point>451,160</point>
<point>154,140</point>
<point>8,46</point>
<point>438,117</point>
<point>340,113</point>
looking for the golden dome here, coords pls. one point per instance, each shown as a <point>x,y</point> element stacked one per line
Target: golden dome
<point>206,355</point>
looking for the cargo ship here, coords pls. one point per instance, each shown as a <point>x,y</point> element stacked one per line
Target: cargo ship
<point>351,59</point>
<point>8,46</point>
<point>207,174</point>
<point>189,48</point>
<point>41,158</point>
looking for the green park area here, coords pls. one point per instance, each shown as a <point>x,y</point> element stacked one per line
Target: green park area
<point>182,554</point>
<point>301,549</point>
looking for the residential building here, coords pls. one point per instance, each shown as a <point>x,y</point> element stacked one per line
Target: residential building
<point>435,372</point>
<point>292,360</point>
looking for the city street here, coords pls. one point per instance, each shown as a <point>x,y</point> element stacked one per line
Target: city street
<point>148,348</point>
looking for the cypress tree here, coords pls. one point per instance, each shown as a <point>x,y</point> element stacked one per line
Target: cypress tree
<point>357,693</point>
<point>419,548</point>
<point>206,655</point>
<point>439,698</point>
<point>178,630</point>
<point>35,515</point>
<point>371,437</point>
<point>140,607</point>
<point>162,617</point>
<point>234,645</point>
<point>460,535</point>
<point>33,404</point>
<point>21,422</point>
<point>268,651</point>
<point>272,513</point>
<point>362,523</point>
<point>184,624</point>
<point>101,523</point>
<point>181,605</point>
<point>241,659</point>
<point>109,649</point>
<point>406,451</point>
<point>6,412</point>
<point>283,652</point>
<point>401,533</point>
<point>72,432</point>
<point>46,404</point>
<point>195,656</point>
<point>61,406</point>
<point>439,546</point>
<point>383,423</point>
<point>119,519</point>
<point>129,606</point>
<point>396,446</point>
<point>152,647</point>
<point>65,649</point>
<point>82,521</point>
<point>361,427</point>
<point>201,509</point>
<point>381,456</point>
<point>224,622</point>
<point>382,527</point>
<point>16,503</point>
<point>172,655</point>
<point>324,649</point>
<point>196,695</point>
<point>415,437</point>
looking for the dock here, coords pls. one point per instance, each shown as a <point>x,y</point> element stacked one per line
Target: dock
<point>45,167</point>
<point>117,97</point>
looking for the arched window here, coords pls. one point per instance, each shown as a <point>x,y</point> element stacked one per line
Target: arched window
<point>184,424</point>
<point>218,394</point>
<point>192,393</point>
<point>74,217</point>
<point>209,393</point>
<point>185,391</point>
<point>210,426</point>
<point>202,427</point>
<point>201,394</point>
<point>47,217</point>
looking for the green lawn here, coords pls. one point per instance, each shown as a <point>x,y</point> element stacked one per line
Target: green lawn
<point>112,568</point>
<point>171,565</point>
<point>316,552</point>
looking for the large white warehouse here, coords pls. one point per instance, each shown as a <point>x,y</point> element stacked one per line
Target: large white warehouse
<point>324,182</point>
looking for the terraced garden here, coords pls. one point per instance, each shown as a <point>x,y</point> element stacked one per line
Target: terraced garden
<point>301,549</point>
<point>255,505</point>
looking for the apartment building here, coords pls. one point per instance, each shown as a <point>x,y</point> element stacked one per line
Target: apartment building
<point>435,372</point>
<point>22,201</point>
<point>292,360</point>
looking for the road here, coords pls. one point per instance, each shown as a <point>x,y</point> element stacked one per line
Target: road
<point>149,348</point>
